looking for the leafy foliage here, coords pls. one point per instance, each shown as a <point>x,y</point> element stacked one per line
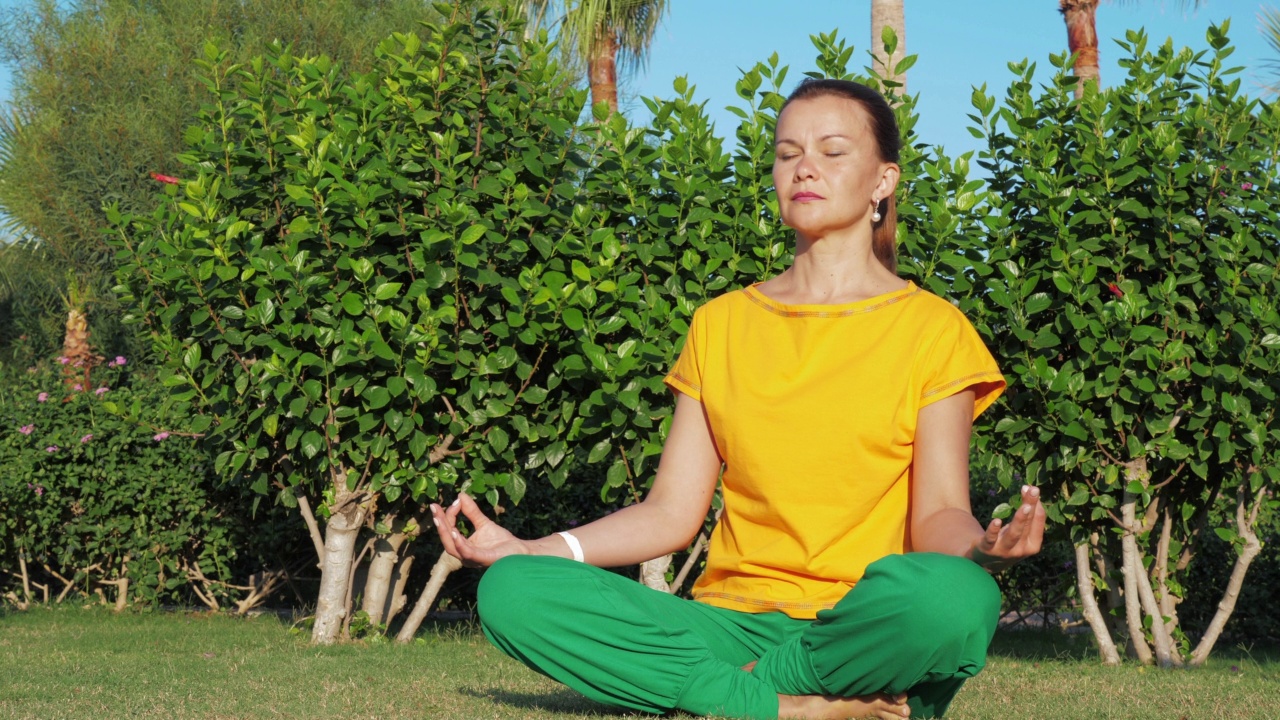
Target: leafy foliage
<point>101,483</point>
<point>1134,304</point>
<point>103,91</point>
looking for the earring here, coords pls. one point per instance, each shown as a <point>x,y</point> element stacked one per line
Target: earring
<point>875,213</point>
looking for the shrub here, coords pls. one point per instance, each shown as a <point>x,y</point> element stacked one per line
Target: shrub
<point>103,485</point>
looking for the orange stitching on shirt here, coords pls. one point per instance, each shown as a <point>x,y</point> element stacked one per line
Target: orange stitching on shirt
<point>776,604</point>
<point>680,378</point>
<point>965,379</point>
<point>764,303</point>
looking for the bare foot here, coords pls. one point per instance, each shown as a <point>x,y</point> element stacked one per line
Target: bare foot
<point>830,707</point>
<point>824,707</point>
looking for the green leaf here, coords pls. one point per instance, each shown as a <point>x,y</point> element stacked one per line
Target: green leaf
<point>573,319</point>
<point>312,443</point>
<point>353,304</point>
<point>386,291</point>
<point>599,451</point>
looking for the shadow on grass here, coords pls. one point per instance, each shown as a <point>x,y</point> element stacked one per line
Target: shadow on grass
<point>562,700</point>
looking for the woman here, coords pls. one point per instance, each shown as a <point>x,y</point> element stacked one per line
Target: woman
<point>846,576</point>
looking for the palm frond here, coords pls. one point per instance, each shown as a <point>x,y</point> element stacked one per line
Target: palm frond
<point>583,23</point>
<point>1269,23</point>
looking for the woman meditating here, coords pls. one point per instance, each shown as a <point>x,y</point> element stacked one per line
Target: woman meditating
<point>847,576</point>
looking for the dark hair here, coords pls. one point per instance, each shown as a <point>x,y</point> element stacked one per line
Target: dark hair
<point>885,129</point>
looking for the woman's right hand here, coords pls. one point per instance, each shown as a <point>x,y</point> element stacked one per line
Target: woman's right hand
<point>488,542</point>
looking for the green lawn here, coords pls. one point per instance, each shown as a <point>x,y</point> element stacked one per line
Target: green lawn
<point>69,663</point>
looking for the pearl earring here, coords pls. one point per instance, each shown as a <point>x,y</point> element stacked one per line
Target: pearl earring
<point>875,213</point>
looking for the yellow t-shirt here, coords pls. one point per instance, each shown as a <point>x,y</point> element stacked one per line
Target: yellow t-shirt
<point>813,410</point>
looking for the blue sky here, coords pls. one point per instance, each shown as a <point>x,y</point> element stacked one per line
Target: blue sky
<point>958,47</point>
<point>960,44</point>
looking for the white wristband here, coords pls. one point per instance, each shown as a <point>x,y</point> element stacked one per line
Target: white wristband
<point>575,547</point>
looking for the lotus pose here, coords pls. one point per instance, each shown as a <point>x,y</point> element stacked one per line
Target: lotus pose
<point>833,404</point>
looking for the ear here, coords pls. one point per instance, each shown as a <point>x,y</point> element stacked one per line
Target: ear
<point>889,174</point>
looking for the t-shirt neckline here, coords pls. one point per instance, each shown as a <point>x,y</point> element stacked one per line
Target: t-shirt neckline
<point>825,311</point>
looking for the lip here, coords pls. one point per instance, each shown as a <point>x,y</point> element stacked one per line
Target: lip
<point>806,196</point>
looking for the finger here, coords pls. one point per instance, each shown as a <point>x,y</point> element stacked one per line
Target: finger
<point>992,536</point>
<point>451,513</point>
<point>444,530</point>
<point>471,510</point>
<point>1035,533</point>
<point>1017,528</point>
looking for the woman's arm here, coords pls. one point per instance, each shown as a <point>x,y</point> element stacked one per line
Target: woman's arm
<point>666,521</point>
<point>941,517</point>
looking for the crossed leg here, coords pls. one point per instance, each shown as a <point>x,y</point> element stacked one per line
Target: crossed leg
<point>621,643</point>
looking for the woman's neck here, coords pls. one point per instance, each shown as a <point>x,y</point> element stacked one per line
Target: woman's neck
<point>832,270</point>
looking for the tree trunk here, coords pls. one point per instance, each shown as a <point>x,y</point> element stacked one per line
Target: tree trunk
<point>1082,38</point>
<point>377,586</point>
<point>1132,567</point>
<point>889,14</point>
<point>602,69</point>
<point>443,567</point>
<point>1084,583</point>
<point>397,600</point>
<point>1245,524</point>
<point>653,573</point>
<point>341,533</point>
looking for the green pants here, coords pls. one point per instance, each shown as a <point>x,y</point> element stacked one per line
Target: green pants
<point>918,623</point>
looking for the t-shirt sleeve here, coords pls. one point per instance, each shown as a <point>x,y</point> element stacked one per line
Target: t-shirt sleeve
<point>686,374</point>
<point>959,360</point>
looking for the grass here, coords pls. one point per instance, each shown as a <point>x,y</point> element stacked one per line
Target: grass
<point>68,663</point>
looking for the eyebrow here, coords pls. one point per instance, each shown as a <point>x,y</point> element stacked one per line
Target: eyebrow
<point>780,141</point>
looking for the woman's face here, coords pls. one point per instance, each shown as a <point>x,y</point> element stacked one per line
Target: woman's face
<point>827,169</point>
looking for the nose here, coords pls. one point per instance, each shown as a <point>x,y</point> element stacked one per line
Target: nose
<point>805,169</point>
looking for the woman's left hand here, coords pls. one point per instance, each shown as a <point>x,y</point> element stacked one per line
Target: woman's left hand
<point>1004,544</point>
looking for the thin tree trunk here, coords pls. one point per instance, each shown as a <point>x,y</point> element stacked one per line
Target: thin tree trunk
<point>653,573</point>
<point>689,563</point>
<point>1082,38</point>
<point>602,69</point>
<point>443,567</point>
<point>890,14</point>
<point>1084,583</point>
<point>1132,567</point>
<point>377,586</point>
<point>1245,524</point>
<point>1114,599</point>
<point>398,599</point>
<point>304,507</point>
<point>341,533</point>
<point>1167,600</point>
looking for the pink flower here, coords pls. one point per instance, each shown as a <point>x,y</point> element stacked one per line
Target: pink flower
<point>52,449</point>
<point>86,438</point>
<point>42,397</point>
<point>1246,186</point>
<point>77,387</point>
<point>39,491</point>
<point>100,391</point>
<point>160,436</point>
<point>120,360</point>
<point>26,429</point>
<point>1223,193</point>
<point>166,179</point>
<point>1115,290</point>
<point>63,360</point>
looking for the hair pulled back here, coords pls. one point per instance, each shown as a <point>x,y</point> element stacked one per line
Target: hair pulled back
<point>884,128</point>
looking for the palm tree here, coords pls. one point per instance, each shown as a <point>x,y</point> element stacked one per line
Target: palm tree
<point>1082,36</point>
<point>606,34</point>
<point>889,14</point>
<point>1269,18</point>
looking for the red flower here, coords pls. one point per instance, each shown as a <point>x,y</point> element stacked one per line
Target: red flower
<point>166,179</point>
<point>1115,290</point>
